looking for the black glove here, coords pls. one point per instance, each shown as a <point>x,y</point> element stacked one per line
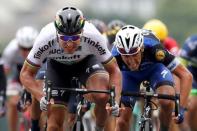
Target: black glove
<point>24,101</point>
<point>181,115</point>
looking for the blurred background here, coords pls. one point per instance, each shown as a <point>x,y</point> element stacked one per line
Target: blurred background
<point>179,15</point>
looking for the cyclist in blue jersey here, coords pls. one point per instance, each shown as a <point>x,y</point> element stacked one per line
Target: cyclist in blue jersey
<point>188,56</point>
<point>140,57</point>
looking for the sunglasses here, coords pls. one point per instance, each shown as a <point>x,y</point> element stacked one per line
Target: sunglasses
<point>69,38</point>
<point>132,51</point>
<point>25,49</point>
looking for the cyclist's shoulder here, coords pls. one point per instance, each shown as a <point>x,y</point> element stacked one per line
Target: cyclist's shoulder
<point>11,47</point>
<point>150,40</point>
<point>47,32</point>
<point>46,36</point>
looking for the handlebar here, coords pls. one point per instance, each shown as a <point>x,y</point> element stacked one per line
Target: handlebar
<point>78,90</point>
<point>146,95</point>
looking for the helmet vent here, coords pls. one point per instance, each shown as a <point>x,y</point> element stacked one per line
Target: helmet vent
<point>124,28</point>
<point>121,41</point>
<point>61,18</point>
<point>134,39</point>
<point>76,23</point>
<point>69,8</point>
<point>73,8</point>
<point>65,8</point>
<point>131,27</point>
<point>127,41</point>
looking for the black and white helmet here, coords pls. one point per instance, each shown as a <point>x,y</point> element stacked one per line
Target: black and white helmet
<point>69,21</point>
<point>129,40</point>
<point>26,36</point>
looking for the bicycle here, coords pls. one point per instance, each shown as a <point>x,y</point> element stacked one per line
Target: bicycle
<point>146,117</point>
<point>76,88</point>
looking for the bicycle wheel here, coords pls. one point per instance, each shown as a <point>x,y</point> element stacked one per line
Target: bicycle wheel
<point>78,126</point>
<point>147,126</point>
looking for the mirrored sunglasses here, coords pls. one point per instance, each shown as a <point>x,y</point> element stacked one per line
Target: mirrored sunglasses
<point>69,38</point>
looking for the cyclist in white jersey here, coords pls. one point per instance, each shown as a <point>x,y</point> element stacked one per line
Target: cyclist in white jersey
<point>13,57</point>
<point>73,47</point>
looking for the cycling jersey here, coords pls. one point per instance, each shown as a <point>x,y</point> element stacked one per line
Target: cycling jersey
<point>189,54</point>
<point>46,46</point>
<point>155,67</point>
<point>11,56</point>
<point>171,45</point>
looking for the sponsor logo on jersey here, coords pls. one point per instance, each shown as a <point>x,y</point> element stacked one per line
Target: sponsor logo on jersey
<point>56,51</point>
<point>43,48</point>
<point>67,57</point>
<point>95,44</point>
<point>160,55</point>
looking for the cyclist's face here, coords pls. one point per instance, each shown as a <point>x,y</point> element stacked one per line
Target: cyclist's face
<point>132,61</point>
<point>69,46</point>
<point>24,52</point>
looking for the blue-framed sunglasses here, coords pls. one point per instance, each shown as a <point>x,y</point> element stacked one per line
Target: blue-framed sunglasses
<point>69,38</point>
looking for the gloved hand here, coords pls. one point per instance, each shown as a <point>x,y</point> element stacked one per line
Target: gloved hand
<point>24,102</point>
<point>43,103</point>
<point>115,110</point>
<point>180,117</point>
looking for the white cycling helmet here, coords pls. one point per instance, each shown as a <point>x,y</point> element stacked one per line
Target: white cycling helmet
<point>26,36</point>
<point>129,40</point>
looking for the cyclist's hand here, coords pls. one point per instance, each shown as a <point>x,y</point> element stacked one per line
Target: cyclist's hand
<point>44,103</point>
<point>24,102</point>
<point>180,118</point>
<point>22,107</point>
<point>114,110</point>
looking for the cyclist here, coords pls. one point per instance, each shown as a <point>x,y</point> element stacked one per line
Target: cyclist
<point>13,57</point>
<point>161,31</point>
<point>113,27</point>
<point>141,57</point>
<point>188,56</point>
<point>3,84</point>
<point>73,47</point>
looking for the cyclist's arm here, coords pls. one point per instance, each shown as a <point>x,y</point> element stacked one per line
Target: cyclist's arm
<point>179,70</point>
<point>115,77</point>
<point>27,77</point>
<point>185,83</point>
